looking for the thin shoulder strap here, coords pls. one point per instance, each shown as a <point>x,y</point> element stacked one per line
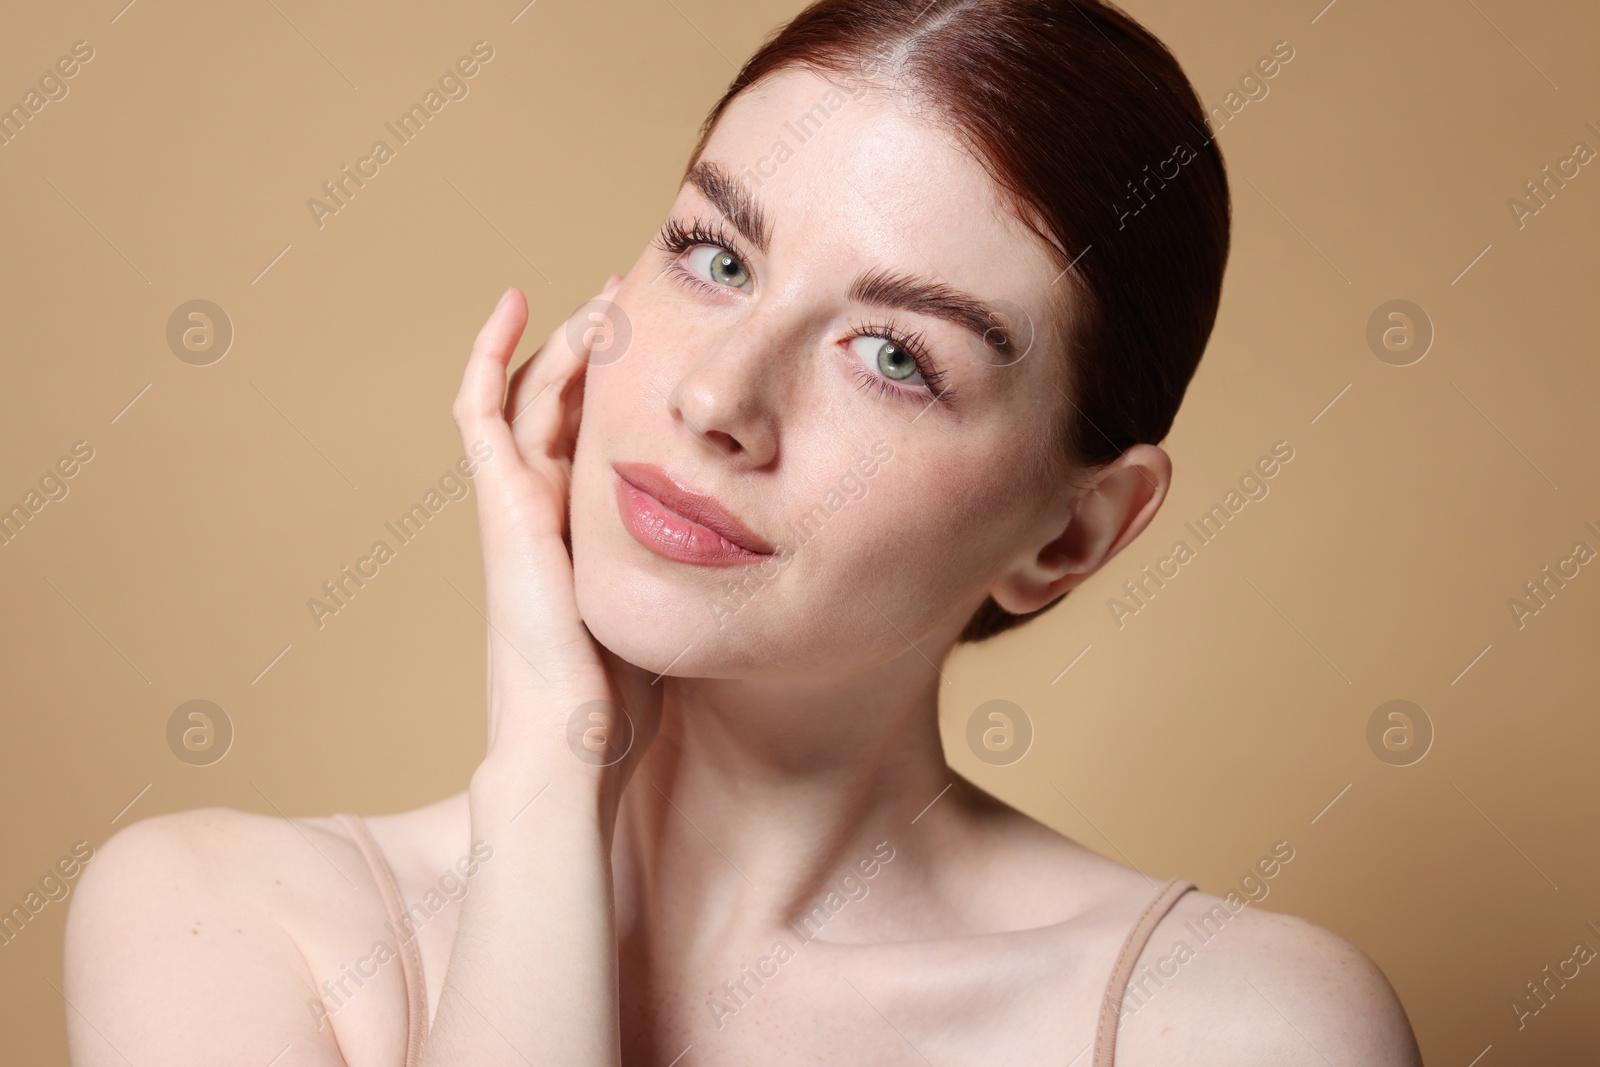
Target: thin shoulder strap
<point>400,923</point>
<point>1105,1041</point>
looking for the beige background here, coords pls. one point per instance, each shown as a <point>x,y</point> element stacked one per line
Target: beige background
<point>1227,715</point>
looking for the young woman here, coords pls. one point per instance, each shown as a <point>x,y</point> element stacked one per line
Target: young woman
<point>891,377</point>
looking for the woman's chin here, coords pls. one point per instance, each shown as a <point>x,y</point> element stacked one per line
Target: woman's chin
<point>661,630</point>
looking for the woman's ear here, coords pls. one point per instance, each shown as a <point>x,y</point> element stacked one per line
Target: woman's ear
<point>1092,523</point>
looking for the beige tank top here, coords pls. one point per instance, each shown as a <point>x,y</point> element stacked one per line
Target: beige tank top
<point>1105,1040</point>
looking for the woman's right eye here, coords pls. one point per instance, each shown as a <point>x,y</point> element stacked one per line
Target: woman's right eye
<point>719,265</point>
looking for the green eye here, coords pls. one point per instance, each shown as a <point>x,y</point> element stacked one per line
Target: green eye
<point>882,358</point>
<point>894,361</point>
<point>728,270</point>
<point>720,265</point>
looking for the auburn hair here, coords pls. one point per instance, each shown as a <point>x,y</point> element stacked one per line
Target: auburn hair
<point>1098,143</point>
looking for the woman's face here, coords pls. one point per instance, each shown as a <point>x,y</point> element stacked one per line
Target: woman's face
<point>824,391</point>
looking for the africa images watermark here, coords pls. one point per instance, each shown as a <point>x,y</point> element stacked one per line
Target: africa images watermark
<point>810,122</point>
<point>53,486</point>
<point>738,993</point>
<point>1542,991</point>
<point>340,190</point>
<point>1541,589</point>
<point>54,887</point>
<point>1253,84</point>
<point>342,589</point>
<point>1252,888</point>
<point>53,88</point>
<point>1542,190</point>
<point>452,886</point>
<point>852,486</point>
<point>1253,485</point>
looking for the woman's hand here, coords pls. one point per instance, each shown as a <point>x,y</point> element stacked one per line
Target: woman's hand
<point>554,693</point>
<point>533,970</point>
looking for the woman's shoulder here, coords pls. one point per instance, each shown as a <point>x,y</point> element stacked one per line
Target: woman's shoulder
<point>271,861</point>
<point>229,921</point>
<point>1223,982</point>
<point>1219,980</point>
<point>220,857</point>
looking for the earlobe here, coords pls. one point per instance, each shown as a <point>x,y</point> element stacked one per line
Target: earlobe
<point>1101,519</point>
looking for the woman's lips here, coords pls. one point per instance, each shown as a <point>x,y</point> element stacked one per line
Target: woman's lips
<point>680,524</point>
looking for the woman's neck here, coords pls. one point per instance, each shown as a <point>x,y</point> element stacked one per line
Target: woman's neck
<point>757,797</point>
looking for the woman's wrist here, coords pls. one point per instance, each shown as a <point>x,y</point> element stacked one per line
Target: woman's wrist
<point>506,786</point>
<point>576,741</point>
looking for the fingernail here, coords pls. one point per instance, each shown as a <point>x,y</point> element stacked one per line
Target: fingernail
<point>503,298</point>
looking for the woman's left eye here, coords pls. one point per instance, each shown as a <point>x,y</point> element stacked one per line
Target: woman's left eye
<point>718,264</point>
<point>884,357</point>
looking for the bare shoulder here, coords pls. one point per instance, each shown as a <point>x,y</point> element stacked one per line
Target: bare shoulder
<point>1224,983</point>
<point>206,931</point>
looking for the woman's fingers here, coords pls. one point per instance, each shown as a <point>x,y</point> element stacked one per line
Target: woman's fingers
<point>509,492</point>
<point>531,427</point>
<point>477,410</point>
<point>542,401</point>
<point>534,400</point>
<point>541,657</point>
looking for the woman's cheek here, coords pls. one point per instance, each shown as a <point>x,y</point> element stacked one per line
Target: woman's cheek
<point>898,532</point>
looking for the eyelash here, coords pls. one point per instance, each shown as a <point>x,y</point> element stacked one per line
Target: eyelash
<point>675,239</point>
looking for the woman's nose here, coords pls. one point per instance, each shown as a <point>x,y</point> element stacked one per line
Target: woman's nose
<point>728,397</point>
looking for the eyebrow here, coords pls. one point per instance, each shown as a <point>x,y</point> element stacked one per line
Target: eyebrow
<point>879,287</point>
<point>733,200</point>
<point>884,288</point>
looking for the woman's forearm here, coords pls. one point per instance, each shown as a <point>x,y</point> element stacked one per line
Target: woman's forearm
<point>532,976</point>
